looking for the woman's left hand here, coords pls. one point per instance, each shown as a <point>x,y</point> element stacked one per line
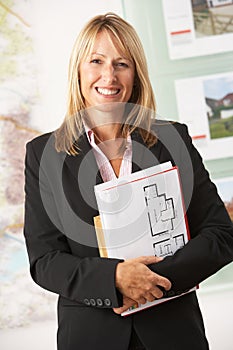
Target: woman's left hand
<point>127,303</point>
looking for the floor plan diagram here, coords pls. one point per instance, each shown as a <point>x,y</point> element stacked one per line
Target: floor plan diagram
<point>160,210</point>
<point>161,215</point>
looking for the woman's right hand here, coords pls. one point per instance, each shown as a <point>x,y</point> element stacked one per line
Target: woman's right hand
<point>137,282</point>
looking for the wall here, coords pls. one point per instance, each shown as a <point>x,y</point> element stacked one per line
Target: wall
<point>147,18</point>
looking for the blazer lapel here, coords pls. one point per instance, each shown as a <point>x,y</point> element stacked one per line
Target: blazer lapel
<point>84,167</point>
<point>143,157</point>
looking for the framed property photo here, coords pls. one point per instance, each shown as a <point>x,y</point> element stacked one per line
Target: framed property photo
<point>205,104</point>
<point>219,105</point>
<point>198,27</point>
<point>225,190</point>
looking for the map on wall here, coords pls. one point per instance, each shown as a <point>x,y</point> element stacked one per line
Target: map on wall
<point>21,300</point>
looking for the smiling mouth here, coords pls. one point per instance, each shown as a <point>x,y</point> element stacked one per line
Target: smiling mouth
<point>107,92</point>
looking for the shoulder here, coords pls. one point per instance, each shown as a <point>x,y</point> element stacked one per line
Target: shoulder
<point>38,143</point>
<point>162,126</point>
<point>168,131</point>
<point>41,140</point>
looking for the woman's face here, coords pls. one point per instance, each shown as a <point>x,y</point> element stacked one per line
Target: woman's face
<point>106,76</point>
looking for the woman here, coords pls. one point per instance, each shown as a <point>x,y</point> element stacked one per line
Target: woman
<point>110,131</point>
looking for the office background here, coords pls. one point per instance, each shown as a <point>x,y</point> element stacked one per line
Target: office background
<point>36,39</point>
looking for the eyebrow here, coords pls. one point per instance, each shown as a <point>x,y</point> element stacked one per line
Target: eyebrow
<point>101,54</point>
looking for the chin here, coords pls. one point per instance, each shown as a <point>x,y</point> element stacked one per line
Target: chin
<point>110,107</point>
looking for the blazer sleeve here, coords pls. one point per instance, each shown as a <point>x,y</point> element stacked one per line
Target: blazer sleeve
<point>89,280</point>
<point>211,230</point>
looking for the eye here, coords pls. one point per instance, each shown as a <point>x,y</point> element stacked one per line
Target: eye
<point>122,64</point>
<point>96,60</point>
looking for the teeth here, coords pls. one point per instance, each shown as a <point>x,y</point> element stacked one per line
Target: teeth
<point>107,91</point>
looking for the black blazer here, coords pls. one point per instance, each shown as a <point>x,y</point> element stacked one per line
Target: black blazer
<point>64,258</point>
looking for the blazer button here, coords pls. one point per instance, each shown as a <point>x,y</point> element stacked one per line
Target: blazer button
<point>87,302</point>
<point>171,293</point>
<point>93,302</point>
<point>178,292</point>
<point>99,302</point>
<point>107,302</point>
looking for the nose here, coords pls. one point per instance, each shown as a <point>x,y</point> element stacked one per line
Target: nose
<point>109,73</point>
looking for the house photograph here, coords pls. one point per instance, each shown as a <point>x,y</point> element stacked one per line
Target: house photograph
<point>212,17</point>
<point>219,106</point>
<point>225,190</point>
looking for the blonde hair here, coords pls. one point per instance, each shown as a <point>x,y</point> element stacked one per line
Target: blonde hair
<point>142,99</point>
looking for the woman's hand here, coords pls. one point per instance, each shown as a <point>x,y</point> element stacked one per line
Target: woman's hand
<point>137,282</point>
<point>127,303</point>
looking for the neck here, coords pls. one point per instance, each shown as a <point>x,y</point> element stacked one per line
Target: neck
<point>111,131</point>
<point>106,120</point>
<point>110,140</point>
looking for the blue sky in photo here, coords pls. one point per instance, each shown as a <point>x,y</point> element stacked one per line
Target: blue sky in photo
<point>219,87</point>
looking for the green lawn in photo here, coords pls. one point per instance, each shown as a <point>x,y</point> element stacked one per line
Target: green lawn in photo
<point>221,127</point>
